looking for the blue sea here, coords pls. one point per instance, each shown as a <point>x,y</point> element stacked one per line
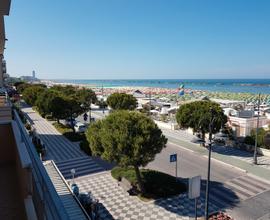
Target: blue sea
<point>219,85</point>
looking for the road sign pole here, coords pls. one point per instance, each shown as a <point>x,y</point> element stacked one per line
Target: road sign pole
<point>176,170</point>
<point>209,166</point>
<point>196,208</point>
<point>173,159</point>
<point>194,191</point>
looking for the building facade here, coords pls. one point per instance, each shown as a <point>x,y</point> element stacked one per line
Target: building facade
<point>243,126</point>
<point>4,10</point>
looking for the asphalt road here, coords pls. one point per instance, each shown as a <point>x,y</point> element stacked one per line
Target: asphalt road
<point>192,164</point>
<point>237,192</point>
<point>231,188</point>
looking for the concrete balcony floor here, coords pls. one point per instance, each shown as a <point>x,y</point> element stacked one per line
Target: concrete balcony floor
<point>11,204</point>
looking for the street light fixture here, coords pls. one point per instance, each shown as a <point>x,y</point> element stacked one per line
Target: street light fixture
<point>73,171</point>
<point>209,164</point>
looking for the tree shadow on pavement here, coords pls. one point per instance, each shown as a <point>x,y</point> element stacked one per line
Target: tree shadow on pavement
<point>220,198</point>
<point>74,207</point>
<point>230,151</point>
<point>67,155</point>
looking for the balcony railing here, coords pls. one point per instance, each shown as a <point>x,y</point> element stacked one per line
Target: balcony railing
<point>46,200</point>
<point>5,106</point>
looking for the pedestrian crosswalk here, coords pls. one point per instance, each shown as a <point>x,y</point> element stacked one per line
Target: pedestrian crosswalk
<point>263,161</point>
<point>235,190</point>
<point>82,165</point>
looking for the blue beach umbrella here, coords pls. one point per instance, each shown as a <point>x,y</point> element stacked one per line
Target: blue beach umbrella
<point>181,92</point>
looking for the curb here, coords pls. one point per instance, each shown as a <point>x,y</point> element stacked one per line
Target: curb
<point>222,162</point>
<point>212,158</point>
<point>169,142</point>
<point>227,164</point>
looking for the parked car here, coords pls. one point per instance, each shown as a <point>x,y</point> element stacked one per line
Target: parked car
<point>80,127</point>
<point>68,122</point>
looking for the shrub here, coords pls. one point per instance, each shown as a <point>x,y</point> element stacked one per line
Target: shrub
<point>84,146</point>
<point>157,184</point>
<point>74,137</point>
<point>37,143</point>
<point>61,128</point>
<point>68,133</point>
<point>249,140</point>
<point>49,117</point>
<point>27,126</point>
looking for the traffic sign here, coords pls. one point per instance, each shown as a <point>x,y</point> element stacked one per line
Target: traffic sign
<point>194,190</point>
<point>173,158</point>
<point>194,187</point>
<point>85,116</point>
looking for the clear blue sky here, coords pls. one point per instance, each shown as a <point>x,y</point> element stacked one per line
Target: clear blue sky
<point>107,39</point>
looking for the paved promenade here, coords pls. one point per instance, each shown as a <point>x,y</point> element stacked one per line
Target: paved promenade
<point>124,207</point>
<point>66,154</point>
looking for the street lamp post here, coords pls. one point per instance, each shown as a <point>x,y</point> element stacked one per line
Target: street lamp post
<point>209,164</point>
<point>102,100</point>
<point>90,111</point>
<point>257,129</point>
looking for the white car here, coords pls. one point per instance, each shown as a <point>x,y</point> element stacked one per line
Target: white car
<point>80,127</point>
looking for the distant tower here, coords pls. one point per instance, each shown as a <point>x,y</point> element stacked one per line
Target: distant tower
<point>33,74</point>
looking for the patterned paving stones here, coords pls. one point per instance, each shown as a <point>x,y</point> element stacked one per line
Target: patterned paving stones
<point>122,206</point>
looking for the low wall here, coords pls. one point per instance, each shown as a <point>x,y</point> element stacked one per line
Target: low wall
<point>263,151</point>
<point>172,126</point>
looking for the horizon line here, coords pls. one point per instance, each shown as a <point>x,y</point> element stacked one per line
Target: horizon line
<point>156,79</point>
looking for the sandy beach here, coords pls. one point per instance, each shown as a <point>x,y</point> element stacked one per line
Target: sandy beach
<point>166,92</point>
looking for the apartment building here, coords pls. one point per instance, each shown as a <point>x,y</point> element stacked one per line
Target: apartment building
<point>26,190</point>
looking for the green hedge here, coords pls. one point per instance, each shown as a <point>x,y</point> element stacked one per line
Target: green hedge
<point>68,133</point>
<point>156,184</point>
<point>84,146</point>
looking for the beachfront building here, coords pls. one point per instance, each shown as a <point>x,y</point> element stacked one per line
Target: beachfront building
<point>30,79</point>
<point>244,122</point>
<point>235,104</point>
<point>267,114</point>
